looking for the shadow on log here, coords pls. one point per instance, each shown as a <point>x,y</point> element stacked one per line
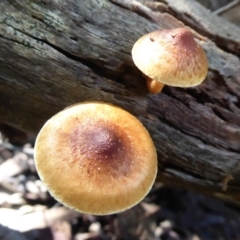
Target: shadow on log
<point>56,53</point>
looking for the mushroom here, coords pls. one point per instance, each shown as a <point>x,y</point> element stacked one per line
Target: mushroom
<point>170,57</point>
<point>96,158</point>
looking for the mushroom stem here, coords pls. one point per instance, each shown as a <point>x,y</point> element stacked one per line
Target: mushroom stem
<point>154,86</point>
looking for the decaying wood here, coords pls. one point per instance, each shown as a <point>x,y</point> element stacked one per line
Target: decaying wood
<point>56,53</point>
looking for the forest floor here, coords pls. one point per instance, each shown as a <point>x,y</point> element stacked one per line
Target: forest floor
<point>28,212</point>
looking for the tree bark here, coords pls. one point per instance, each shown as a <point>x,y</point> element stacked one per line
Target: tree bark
<point>57,53</point>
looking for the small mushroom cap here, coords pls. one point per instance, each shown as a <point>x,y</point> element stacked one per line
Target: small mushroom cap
<point>171,57</point>
<point>96,158</point>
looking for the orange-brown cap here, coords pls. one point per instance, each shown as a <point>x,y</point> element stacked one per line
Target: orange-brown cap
<point>171,57</point>
<point>96,158</point>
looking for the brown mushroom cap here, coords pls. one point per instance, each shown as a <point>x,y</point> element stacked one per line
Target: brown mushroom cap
<point>171,57</point>
<point>96,158</point>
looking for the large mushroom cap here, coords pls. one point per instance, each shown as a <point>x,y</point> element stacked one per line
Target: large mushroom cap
<point>171,57</point>
<point>96,158</point>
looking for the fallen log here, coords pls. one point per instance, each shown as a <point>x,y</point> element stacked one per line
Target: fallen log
<point>57,53</point>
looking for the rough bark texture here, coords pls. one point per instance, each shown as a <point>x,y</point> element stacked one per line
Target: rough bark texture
<point>54,53</point>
